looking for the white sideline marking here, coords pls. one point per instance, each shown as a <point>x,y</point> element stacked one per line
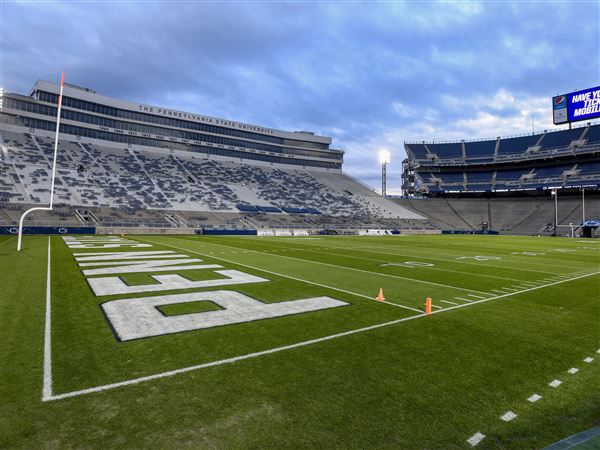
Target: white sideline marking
<point>508,416</point>
<point>598,351</point>
<point>228,360</point>
<point>446,301</point>
<point>555,383</point>
<point>379,301</point>
<point>477,437</point>
<point>534,398</point>
<point>47,388</point>
<point>435,306</point>
<point>464,299</point>
<point>573,370</point>
<point>588,359</point>
<point>498,290</point>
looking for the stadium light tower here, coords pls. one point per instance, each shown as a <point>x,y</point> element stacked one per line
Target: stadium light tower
<point>46,208</point>
<point>384,159</point>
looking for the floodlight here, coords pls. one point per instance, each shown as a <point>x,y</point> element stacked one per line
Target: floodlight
<point>384,156</point>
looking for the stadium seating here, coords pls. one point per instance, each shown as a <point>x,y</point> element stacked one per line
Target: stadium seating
<point>125,186</point>
<point>539,161</point>
<point>514,215</point>
<point>580,140</point>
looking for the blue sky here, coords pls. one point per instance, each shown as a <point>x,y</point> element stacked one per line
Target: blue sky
<point>371,75</point>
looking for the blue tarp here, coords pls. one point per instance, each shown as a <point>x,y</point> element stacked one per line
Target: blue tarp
<point>271,209</point>
<point>247,208</point>
<point>230,232</point>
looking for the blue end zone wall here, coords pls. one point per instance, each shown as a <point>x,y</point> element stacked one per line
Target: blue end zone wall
<point>48,230</point>
<point>227,232</point>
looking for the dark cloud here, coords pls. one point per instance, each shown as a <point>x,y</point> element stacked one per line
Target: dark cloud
<point>370,75</point>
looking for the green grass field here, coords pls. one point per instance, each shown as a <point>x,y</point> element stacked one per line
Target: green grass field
<point>510,315</point>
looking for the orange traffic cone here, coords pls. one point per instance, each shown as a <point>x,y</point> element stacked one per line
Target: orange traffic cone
<point>380,297</point>
<point>427,306</point>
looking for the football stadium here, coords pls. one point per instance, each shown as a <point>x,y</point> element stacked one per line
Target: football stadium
<point>177,280</point>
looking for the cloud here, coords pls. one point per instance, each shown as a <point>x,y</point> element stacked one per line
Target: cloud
<point>369,75</point>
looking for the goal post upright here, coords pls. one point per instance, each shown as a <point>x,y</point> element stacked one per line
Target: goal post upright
<point>49,207</point>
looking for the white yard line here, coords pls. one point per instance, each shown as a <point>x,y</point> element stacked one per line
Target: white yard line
<point>10,238</point>
<point>440,259</point>
<point>464,299</point>
<point>473,253</point>
<point>290,277</point>
<point>525,258</point>
<point>451,303</point>
<point>272,350</point>
<point>370,272</point>
<point>341,249</point>
<point>47,388</point>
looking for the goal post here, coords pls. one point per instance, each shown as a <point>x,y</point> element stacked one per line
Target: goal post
<point>49,207</point>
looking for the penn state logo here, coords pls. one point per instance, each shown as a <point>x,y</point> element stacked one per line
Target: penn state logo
<point>13,230</point>
<point>62,230</point>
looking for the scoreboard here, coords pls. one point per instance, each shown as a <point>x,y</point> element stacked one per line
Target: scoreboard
<point>576,106</point>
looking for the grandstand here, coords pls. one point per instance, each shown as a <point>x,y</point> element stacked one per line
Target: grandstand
<point>505,183</point>
<point>563,159</point>
<point>150,169</point>
<point>126,165</point>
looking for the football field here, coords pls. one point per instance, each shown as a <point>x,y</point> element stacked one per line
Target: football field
<point>279,342</point>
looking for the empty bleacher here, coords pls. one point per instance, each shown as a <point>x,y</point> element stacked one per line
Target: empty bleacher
<point>581,140</point>
<point>512,215</point>
<point>139,186</point>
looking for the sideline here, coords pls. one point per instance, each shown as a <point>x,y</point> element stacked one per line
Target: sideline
<point>47,389</point>
<point>255,354</point>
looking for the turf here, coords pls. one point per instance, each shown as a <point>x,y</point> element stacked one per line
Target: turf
<point>504,326</point>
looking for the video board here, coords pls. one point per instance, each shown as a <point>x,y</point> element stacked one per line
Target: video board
<point>576,106</point>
